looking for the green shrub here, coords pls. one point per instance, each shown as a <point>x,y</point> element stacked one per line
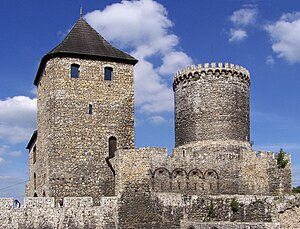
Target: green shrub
<point>281,161</point>
<point>296,190</point>
<point>234,205</point>
<point>212,210</point>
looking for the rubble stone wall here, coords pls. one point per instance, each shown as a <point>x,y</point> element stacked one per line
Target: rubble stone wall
<point>212,103</point>
<point>154,210</point>
<point>37,213</point>
<point>72,144</point>
<point>192,171</point>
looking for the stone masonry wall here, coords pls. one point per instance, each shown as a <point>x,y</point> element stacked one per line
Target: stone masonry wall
<point>44,213</point>
<point>205,169</point>
<point>212,103</point>
<point>141,206</point>
<point>72,145</point>
<point>167,211</point>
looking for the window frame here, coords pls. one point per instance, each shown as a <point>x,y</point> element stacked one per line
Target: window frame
<point>75,71</point>
<point>110,70</point>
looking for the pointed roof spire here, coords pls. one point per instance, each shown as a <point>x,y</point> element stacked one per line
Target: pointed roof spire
<point>85,42</point>
<point>80,12</point>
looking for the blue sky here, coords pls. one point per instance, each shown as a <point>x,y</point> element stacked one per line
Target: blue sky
<point>263,36</point>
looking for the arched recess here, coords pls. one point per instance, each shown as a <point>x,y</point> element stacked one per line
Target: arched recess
<point>35,195</point>
<point>179,180</point>
<point>161,180</point>
<point>211,178</point>
<point>195,182</point>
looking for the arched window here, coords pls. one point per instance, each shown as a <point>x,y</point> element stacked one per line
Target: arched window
<point>74,70</point>
<point>112,146</point>
<point>108,73</point>
<point>34,181</point>
<point>35,195</point>
<point>34,155</point>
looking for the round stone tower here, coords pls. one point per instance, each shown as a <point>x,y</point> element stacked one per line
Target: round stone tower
<point>212,104</point>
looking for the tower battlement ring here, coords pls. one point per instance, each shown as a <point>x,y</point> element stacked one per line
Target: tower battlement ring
<point>216,70</point>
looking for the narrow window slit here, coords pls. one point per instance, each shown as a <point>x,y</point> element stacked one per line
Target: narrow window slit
<point>90,110</point>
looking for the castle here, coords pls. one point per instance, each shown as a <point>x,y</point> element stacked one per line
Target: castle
<point>86,173</point>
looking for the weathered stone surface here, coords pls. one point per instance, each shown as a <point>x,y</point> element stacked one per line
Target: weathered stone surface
<point>82,182</point>
<point>72,145</point>
<point>212,103</point>
<point>157,210</point>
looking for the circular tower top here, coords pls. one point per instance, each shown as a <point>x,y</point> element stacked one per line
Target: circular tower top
<point>212,103</point>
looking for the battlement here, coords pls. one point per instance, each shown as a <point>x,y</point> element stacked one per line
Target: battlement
<point>217,70</point>
<point>260,154</point>
<point>49,202</point>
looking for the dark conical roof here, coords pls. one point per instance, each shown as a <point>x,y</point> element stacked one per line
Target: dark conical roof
<point>84,42</point>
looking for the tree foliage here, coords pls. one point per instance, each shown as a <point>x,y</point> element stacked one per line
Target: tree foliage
<point>296,190</point>
<point>281,161</point>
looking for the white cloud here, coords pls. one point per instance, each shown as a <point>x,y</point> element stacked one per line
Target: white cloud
<point>152,95</point>
<point>173,62</point>
<point>244,17</point>
<point>6,152</point>
<point>2,161</point>
<point>237,35</point>
<point>157,119</point>
<point>241,19</point>
<point>143,27</point>
<point>17,118</point>
<point>285,36</point>
<point>270,60</point>
<point>4,178</point>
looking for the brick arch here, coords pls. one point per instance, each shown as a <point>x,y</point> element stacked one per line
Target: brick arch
<point>179,180</point>
<point>211,181</point>
<point>160,170</point>
<point>161,179</point>
<point>195,182</point>
<point>211,172</point>
<point>178,171</point>
<point>196,172</point>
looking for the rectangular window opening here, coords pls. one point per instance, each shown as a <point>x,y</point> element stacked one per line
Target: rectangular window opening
<point>90,111</point>
<point>108,73</point>
<point>74,71</point>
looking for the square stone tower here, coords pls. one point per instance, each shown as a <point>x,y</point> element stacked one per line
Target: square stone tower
<point>85,91</point>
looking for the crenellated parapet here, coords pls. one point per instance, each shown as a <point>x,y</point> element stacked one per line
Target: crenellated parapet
<point>215,70</point>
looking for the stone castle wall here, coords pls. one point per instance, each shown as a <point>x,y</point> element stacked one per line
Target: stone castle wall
<point>158,210</point>
<point>158,191</point>
<point>192,171</point>
<point>43,212</point>
<point>212,103</point>
<point>72,145</point>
